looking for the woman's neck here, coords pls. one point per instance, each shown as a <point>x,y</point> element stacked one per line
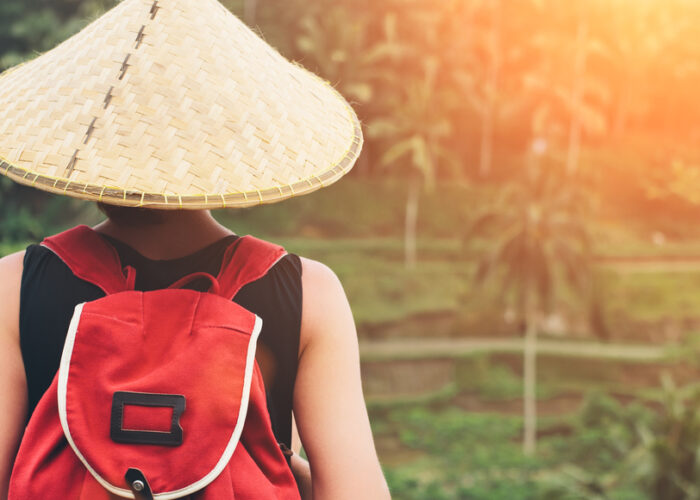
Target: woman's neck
<point>171,235</point>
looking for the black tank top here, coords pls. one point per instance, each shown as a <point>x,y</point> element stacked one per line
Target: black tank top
<point>50,292</point>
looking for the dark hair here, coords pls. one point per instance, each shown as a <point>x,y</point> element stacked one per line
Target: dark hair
<point>132,216</point>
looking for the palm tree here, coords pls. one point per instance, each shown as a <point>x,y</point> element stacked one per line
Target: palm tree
<point>640,38</point>
<point>474,56</point>
<point>332,40</point>
<point>489,109</point>
<point>571,100</point>
<point>415,132</point>
<point>577,90</point>
<point>540,240</point>
<point>414,124</point>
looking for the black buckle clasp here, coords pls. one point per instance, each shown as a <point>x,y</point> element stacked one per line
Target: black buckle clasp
<point>121,435</point>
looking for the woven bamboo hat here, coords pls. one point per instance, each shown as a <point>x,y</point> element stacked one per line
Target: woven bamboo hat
<point>172,104</point>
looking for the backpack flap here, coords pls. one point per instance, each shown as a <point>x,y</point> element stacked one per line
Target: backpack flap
<point>157,383</point>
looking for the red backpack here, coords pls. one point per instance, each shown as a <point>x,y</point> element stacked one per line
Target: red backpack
<point>158,394</point>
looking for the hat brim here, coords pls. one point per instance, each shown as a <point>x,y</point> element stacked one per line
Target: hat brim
<point>113,195</point>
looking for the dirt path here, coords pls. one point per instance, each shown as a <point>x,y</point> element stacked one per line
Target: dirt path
<point>406,349</point>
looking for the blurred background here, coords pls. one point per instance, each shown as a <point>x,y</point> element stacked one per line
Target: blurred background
<point>518,240</point>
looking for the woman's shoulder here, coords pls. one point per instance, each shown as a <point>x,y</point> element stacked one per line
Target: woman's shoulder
<point>11,268</point>
<point>321,287</point>
<point>12,263</point>
<point>325,308</point>
<point>11,271</point>
<point>317,274</point>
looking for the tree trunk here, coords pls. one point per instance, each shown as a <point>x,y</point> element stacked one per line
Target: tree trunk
<point>411,229</point>
<point>530,378</point>
<point>577,94</point>
<point>486,153</point>
<point>250,10</point>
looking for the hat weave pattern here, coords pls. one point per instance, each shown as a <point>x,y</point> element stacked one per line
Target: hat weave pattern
<point>173,104</point>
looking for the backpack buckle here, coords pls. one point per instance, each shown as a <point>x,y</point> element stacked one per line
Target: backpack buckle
<point>135,436</point>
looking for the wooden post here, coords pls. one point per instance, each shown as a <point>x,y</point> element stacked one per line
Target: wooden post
<point>530,377</point>
<point>411,229</point>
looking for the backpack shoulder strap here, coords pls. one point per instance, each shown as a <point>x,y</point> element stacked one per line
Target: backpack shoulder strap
<point>90,258</point>
<point>245,261</point>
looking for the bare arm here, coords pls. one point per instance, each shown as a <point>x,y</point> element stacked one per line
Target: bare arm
<point>300,467</point>
<point>328,401</point>
<point>13,384</point>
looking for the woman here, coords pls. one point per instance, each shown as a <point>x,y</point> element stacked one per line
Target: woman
<point>328,403</point>
<point>198,113</point>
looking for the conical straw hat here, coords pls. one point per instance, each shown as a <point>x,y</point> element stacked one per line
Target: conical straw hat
<point>172,104</point>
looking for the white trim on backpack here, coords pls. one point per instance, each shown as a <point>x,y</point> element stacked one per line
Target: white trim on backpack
<point>63,373</point>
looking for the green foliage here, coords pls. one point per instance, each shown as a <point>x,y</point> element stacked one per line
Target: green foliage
<point>470,456</point>
<point>31,27</point>
<point>612,448</point>
<point>404,486</point>
<point>465,440</point>
<point>621,448</point>
<point>490,380</point>
<point>613,452</point>
<point>357,208</point>
<point>673,446</point>
<point>606,432</point>
<point>652,295</point>
<point>502,489</point>
<point>29,215</point>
